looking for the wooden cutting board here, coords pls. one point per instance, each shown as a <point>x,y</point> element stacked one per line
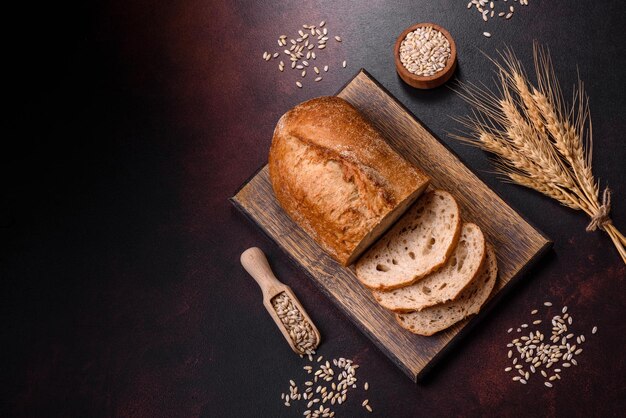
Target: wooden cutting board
<point>517,243</point>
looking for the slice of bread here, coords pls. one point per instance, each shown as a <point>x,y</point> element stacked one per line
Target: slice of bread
<point>445,284</point>
<point>418,244</point>
<point>439,317</point>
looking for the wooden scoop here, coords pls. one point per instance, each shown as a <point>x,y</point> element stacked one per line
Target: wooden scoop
<point>255,263</point>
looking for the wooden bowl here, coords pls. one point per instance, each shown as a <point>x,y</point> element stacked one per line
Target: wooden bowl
<point>422,82</point>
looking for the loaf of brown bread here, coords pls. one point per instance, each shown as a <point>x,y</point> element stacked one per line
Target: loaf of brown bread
<point>336,176</point>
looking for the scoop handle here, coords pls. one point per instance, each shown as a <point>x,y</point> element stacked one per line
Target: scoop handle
<point>255,263</point>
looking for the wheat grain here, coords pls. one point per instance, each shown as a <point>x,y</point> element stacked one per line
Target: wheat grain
<point>424,51</point>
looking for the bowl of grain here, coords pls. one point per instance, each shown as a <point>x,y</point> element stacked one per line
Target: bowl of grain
<point>425,55</point>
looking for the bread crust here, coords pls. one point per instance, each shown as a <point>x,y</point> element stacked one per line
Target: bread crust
<point>335,175</point>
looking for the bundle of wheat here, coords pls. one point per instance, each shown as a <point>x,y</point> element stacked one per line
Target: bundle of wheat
<point>539,141</point>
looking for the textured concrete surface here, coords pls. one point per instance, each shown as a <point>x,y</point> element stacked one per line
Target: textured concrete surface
<point>122,293</point>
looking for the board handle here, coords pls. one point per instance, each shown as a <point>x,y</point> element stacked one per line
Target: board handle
<point>255,263</point>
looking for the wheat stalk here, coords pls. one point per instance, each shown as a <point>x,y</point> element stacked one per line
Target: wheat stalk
<point>538,140</point>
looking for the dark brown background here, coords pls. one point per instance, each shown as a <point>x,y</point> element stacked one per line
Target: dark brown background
<point>134,121</point>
